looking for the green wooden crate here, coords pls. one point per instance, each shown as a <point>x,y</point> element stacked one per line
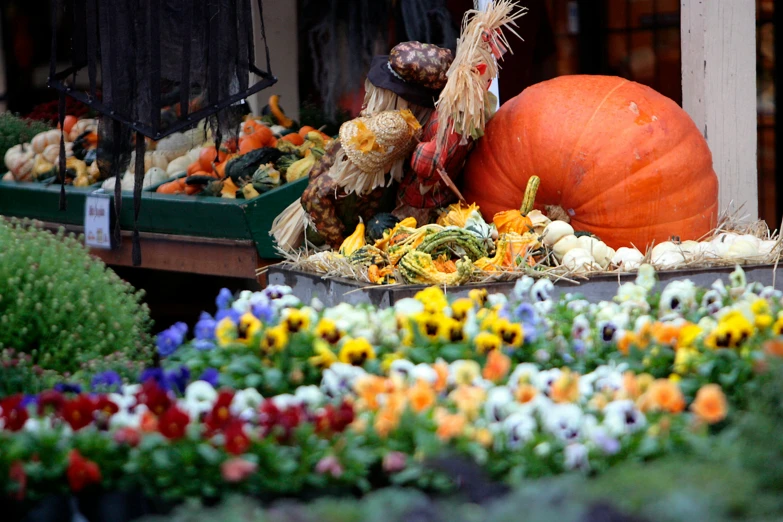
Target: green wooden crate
<point>162,213</point>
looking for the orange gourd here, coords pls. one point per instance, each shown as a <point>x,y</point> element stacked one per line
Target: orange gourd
<point>621,160</point>
<point>207,157</point>
<point>516,221</point>
<point>304,130</point>
<point>194,167</point>
<point>294,138</point>
<point>178,186</point>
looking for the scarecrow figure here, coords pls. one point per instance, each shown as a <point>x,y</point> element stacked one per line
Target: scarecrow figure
<point>349,183</point>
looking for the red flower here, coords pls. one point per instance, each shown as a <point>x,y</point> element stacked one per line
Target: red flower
<point>334,420</point>
<point>17,474</point>
<point>220,416</point>
<point>237,441</point>
<point>173,422</point>
<point>78,412</point>
<point>237,470</point>
<point>286,421</point>
<point>106,406</point>
<point>155,398</point>
<point>50,401</point>
<point>13,414</point>
<point>81,472</point>
<point>127,435</point>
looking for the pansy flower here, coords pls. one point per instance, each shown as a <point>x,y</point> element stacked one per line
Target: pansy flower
<point>275,339</point>
<point>356,352</point>
<point>226,331</point>
<point>485,342</point>
<point>247,329</point>
<point>327,330</point>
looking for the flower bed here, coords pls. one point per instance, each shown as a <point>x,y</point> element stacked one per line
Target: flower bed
<point>274,397</point>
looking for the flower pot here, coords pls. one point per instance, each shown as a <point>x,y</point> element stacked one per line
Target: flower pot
<point>112,506</point>
<point>54,508</point>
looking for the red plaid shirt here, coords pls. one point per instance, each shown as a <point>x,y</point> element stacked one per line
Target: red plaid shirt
<point>422,172</point>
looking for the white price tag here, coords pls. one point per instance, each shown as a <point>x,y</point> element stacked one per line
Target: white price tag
<point>97,222</point>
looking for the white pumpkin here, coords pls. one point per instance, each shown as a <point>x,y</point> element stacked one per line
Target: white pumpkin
<point>555,231</point>
<point>151,159</point>
<point>661,248</point>
<point>580,260</point>
<point>767,246</point>
<point>155,176</point>
<point>52,152</point>
<point>598,249</point>
<point>669,259</point>
<point>627,258</point>
<point>742,249</point>
<point>193,154</point>
<point>19,161</point>
<point>178,166</point>
<point>565,244</point>
<point>41,140</point>
<point>178,144</point>
<point>726,238</point>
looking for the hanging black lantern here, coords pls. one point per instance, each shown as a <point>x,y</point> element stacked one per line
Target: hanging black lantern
<point>164,65</point>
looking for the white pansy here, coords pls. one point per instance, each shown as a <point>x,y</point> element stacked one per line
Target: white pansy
<point>737,278</point>
<point>401,368</point>
<point>564,421</point>
<point>494,300</point>
<point>247,399</point>
<point>424,372</point>
<point>124,418</point>
<point>542,290</point>
<point>317,304</point>
<point>645,277</point>
<point>123,401</point>
<point>544,380</point>
<point>575,456</point>
<point>200,392</point>
<point>130,390</point>
<point>286,400</point>
<point>520,428</point>
<point>678,296</point>
<point>622,418</point>
<point>408,307</point>
<point>311,396</point>
<point>522,288</point>
<point>524,372</point>
<point>580,329</point>
<point>631,292</point>
<point>707,324</point>
<point>33,425</point>
<point>544,307</point>
<point>287,301</point>
<point>607,311</point>
<point>579,305</point>
<point>500,404</point>
<point>641,322</point>
<point>543,449</point>
<point>338,379</point>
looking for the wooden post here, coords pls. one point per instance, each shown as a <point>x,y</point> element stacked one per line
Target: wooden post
<point>280,23</point>
<point>719,92</point>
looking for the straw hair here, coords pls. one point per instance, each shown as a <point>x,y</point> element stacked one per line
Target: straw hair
<point>288,228</point>
<point>461,106</point>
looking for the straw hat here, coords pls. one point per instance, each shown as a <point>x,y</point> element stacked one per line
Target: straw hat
<point>375,142</point>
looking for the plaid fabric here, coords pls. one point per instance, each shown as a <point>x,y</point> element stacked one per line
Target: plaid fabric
<point>422,173</point>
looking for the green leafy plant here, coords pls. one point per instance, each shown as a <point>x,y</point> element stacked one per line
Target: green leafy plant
<point>64,308</point>
<point>15,130</point>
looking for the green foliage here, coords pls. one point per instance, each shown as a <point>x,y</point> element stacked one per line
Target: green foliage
<point>66,310</point>
<point>15,130</point>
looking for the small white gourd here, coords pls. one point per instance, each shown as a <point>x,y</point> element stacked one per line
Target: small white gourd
<point>627,258</point>
<point>580,260</point>
<point>565,244</point>
<point>555,231</point>
<point>669,259</point>
<point>539,221</point>
<point>155,176</point>
<point>178,166</point>
<point>742,249</point>
<point>766,247</point>
<point>598,249</point>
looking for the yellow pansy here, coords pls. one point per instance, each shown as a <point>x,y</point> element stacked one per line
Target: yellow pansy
<point>225,332</point>
<point>688,335</point>
<point>465,372</point>
<point>275,339</point>
<point>511,333</point>
<point>452,330</point>
<point>764,321</point>
<point>733,330</point>
<point>324,357</point>
<point>485,342</point>
<point>433,299</point>
<point>430,324</point>
<point>479,296</point>
<point>249,327</point>
<point>486,319</point>
<point>760,307</point>
<point>407,337</point>
<point>777,328</point>
<point>461,308</point>
<point>327,330</point>
<point>683,359</point>
<point>357,351</point>
<point>296,320</point>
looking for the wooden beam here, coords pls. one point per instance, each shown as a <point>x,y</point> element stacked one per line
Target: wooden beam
<point>719,92</point>
<point>282,35</point>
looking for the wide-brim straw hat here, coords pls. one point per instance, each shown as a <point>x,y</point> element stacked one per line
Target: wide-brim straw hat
<point>375,142</point>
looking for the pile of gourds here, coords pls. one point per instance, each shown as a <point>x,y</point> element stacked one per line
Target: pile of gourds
<point>39,160</point>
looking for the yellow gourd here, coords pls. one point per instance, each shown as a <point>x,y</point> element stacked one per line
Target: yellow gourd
<point>516,221</point>
<point>353,242</point>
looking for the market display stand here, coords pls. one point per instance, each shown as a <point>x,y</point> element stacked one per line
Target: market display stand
<point>333,291</point>
<point>197,235</point>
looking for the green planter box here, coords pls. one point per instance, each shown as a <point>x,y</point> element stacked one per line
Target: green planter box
<point>162,213</point>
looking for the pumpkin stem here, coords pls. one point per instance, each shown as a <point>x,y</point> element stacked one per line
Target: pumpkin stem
<point>530,195</point>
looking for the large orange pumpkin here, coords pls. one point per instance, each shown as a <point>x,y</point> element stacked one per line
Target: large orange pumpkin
<point>625,162</point>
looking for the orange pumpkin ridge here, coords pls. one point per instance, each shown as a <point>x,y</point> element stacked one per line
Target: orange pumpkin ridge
<point>625,162</point>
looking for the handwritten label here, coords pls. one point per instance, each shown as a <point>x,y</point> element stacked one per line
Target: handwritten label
<point>97,222</point>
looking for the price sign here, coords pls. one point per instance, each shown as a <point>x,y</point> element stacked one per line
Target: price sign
<point>97,222</point>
